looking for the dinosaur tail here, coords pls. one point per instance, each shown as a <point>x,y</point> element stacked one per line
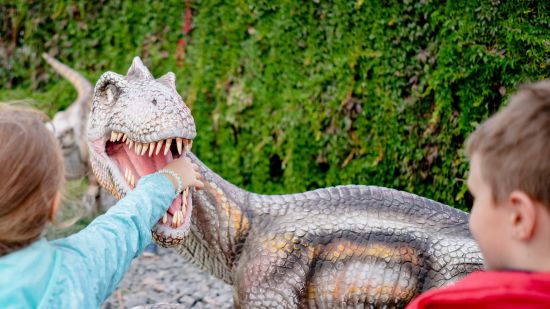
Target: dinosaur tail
<point>81,84</point>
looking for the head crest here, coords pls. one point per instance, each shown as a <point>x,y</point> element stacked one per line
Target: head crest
<point>169,80</point>
<point>138,70</point>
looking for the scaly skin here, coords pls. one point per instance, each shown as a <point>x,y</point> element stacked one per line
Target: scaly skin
<point>346,246</point>
<point>146,116</point>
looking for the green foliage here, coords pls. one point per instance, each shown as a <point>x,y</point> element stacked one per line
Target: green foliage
<point>294,95</point>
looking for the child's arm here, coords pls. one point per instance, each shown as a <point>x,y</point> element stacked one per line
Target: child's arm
<point>102,252</point>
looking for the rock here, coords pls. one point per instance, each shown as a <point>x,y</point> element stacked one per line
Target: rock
<point>168,281</point>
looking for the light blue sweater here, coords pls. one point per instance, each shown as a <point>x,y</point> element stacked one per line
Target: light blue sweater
<point>82,270</point>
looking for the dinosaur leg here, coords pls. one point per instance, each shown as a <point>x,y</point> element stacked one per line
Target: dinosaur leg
<point>273,278</point>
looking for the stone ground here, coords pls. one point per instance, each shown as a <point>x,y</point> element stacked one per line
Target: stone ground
<point>168,281</point>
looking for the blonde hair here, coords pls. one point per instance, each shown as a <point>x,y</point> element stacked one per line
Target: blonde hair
<point>514,145</point>
<point>31,173</point>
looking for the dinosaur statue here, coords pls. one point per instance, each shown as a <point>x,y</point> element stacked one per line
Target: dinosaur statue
<point>69,127</point>
<point>345,246</point>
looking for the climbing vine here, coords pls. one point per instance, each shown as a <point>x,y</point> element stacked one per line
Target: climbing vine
<point>296,95</point>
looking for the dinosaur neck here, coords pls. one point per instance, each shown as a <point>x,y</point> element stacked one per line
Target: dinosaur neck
<point>220,224</point>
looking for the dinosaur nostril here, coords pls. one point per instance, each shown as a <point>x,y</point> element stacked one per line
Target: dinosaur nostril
<point>154,101</point>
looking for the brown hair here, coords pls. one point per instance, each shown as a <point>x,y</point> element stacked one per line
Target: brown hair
<point>514,145</point>
<point>31,173</point>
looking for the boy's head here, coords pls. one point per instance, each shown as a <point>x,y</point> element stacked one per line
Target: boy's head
<point>510,174</point>
<point>31,175</point>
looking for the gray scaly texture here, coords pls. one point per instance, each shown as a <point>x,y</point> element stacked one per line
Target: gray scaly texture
<point>346,246</point>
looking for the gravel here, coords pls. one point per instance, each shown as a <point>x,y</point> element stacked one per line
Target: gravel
<point>168,281</point>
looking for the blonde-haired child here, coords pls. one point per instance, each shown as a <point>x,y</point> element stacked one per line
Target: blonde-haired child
<point>510,220</point>
<point>82,270</point>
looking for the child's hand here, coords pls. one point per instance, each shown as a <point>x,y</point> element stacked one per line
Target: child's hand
<point>188,172</point>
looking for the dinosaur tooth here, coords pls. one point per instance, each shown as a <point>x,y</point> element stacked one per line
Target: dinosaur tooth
<point>119,136</point>
<point>130,177</point>
<point>167,146</point>
<point>130,144</point>
<point>159,147</point>
<point>175,219</point>
<point>185,195</point>
<point>184,199</point>
<point>180,219</point>
<point>113,136</point>
<point>124,137</point>
<point>138,148</point>
<point>144,149</point>
<point>151,148</point>
<point>179,141</point>
<point>164,219</point>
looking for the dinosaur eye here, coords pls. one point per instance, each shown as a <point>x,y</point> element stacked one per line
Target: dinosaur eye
<point>111,94</point>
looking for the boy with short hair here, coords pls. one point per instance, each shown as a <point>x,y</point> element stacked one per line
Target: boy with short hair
<point>510,219</point>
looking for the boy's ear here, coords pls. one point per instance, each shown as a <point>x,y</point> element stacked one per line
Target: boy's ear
<point>523,215</point>
<point>55,205</point>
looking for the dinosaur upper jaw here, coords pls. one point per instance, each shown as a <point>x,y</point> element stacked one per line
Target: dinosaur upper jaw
<point>128,161</point>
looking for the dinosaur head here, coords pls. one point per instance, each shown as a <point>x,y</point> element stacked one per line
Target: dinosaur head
<point>136,126</point>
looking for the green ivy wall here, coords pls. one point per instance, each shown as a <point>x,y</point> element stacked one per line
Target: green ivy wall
<point>295,95</point>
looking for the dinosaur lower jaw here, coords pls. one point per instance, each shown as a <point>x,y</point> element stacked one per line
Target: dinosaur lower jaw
<point>171,229</point>
<point>174,226</point>
<point>128,162</point>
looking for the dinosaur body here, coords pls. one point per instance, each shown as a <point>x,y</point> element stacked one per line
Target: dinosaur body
<point>69,127</point>
<point>346,246</point>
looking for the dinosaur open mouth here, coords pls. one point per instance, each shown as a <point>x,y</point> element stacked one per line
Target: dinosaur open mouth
<point>134,160</point>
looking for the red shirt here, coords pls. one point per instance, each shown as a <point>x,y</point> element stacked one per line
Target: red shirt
<point>491,289</point>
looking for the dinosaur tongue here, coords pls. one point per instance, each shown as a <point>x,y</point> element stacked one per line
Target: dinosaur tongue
<point>176,205</point>
<point>138,166</point>
<point>141,165</point>
<point>180,210</point>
